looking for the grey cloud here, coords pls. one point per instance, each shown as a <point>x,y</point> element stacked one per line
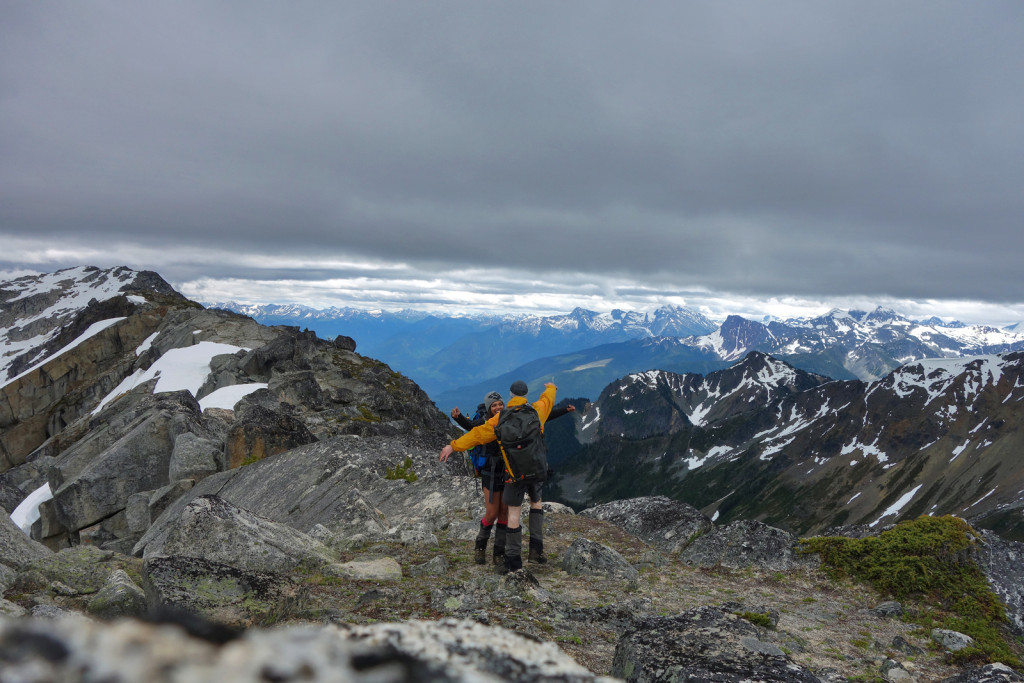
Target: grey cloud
<point>785,148</point>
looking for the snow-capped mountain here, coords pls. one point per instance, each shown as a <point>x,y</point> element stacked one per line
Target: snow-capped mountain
<point>442,352</point>
<point>454,356</point>
<point>864,345</point>
<point>764,440</point>
<point>41,314</point>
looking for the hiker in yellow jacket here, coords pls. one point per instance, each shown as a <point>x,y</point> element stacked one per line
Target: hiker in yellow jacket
<point>515,492</point>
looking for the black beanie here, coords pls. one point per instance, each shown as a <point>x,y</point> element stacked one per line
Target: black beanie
<point>518,388</point>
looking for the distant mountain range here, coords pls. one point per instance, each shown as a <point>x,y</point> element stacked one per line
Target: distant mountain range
<point>445,352</point>
<point>764,440</point>
<point>457,359</point>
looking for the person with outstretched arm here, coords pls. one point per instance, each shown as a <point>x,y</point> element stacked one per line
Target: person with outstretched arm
<point>492,481</point>
<point>515,492</point>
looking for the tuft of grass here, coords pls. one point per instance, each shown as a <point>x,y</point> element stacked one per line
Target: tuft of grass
<point>928,560</point>
<point>402,470</point>
<point>758,619</point>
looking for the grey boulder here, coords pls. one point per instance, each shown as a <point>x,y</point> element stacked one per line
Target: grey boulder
<point>213,529</point>
<point>746,544</point>
<point>702,645</point>
<point>666,524</point>
<point>588,557</point>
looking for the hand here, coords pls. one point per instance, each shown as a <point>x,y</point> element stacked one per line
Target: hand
<point>570,408</point>
<point>455,411</point>
<point>550,384</point>
<point>446,452</point>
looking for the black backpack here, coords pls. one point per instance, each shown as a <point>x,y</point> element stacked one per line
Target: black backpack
<point>521,438</point>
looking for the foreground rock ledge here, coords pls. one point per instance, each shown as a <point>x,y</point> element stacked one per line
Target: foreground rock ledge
<point>76,648</point>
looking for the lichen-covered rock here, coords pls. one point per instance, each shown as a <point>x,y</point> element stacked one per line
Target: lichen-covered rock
<point>119,597</point>
<point>666,524</point>
<point>466,650</point>
<point>84,569</point>
<point>378,569</point>
<point>588,557</point>
<point>447,651</point>
<point>194,457</point>
<point>438,566</point>
<point>990,673</point>
<point>213,529</point>
<point>702,645</point>
<point>218,591</point>
<point>893,672</point>
<point>746,544</point>
<point>953,641</point>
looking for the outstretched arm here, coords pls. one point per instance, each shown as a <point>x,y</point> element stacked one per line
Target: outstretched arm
<point>559,412</point>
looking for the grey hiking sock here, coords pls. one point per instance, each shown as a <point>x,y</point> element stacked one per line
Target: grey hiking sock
<point>514,549</point>
<point>537,537</point>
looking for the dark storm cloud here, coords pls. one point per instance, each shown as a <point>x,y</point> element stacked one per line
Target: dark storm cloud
<point>805,148</point>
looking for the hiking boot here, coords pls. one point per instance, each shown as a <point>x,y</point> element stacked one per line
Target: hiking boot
<point>512,564</point>
<point>480,548</point>
<point>513,551</point>
<point>500,531</point>
<point>537,537</point>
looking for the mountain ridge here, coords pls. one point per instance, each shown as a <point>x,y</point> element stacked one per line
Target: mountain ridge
<point>458,365</point>
<point>938,435</point>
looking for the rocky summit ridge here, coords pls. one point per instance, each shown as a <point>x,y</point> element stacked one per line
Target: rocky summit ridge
<point>220,500</point>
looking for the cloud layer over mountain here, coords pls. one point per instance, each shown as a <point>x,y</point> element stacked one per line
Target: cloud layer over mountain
<point>439,154</point>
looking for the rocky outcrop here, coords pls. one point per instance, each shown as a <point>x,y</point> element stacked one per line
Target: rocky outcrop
<point>16,550</point>
<point>668,525</point>
<point>259,432</point>
<point>1003,564</point>
<point>703,645</point>
<point>74,572</point>
<point>116,462</point>
<point>340,485</point>
<point>218,591</point>
<point>119,597</point>
<point>211,528</point>
<point>130,452</point>
<point>746,544</point>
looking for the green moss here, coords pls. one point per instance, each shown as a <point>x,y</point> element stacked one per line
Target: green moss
<point>366,415</point>
<point>402,471</point>
<point>758,619</point>
<point>926,560</point>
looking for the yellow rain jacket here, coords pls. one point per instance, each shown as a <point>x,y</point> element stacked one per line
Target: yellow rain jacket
<point>484,433</point>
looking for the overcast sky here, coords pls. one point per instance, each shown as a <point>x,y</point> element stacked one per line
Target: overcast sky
<point>778,157</point>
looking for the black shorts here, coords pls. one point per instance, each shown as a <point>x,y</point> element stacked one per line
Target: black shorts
<point>493,483</point>
<point>492,476</point>
<point>516,492</point>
